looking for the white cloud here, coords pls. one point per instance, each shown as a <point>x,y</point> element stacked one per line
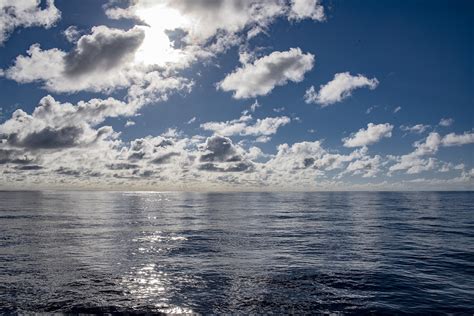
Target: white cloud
<point>54,125</point>
<point>265,73</point>
<point>98,62</point>
<point>263,139</point>
<point>129,123</point>
<point>25,13</point>
<point>397,109</point>
<point>418,128</point>
<point>445,122</point>
<point>415,162</point>
<point>255,106</point>
<point>60,145</point>
<point>370,109</point>
<point>191,120</point>
<point>369,136</point>
<point>202,20</point>
<point>244,127</point>
<point>453,139</point>
<point>72,34</point>
<point>338,89</point>
<point>102,61</point>
<point>303,9</point>
<point>109,59</point>
<point>367,166</point>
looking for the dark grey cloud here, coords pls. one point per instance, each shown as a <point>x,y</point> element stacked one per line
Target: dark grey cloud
<point>220,149</point>
<point>14,157</point>
<point>103,50</point>
<point>143,148</point>
<point>308,162</point>
<point>68,172</point>
<point>165,158</point>
<point>221,155</point>
<point>122,166</point>
<point>237,167</point>
<point>29,167</point>
<point>144,173</point>
<point>206,5</point>
<point>165,143</point>
<point>48,138</point>
<point>134,156</point>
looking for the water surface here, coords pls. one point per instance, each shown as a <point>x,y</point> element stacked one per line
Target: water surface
<point>142,252</point>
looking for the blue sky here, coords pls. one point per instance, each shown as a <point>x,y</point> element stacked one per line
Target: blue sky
<point>390,105</point>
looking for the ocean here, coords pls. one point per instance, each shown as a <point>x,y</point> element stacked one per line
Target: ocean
<point>244,253</point>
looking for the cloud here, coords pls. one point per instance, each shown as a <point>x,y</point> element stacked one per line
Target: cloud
<point>98,62</point>
<point>156,150</point>
<point>219,149</point>
<point>103,50</point>
<point>265,73</point>
<point>53,125</point>
<point>242,126</point>
<point>397,109</point>
<point>445,122</point>
<point>129,123</point>
<point>303,9</point>
<point>219,154</point>
<point>263,139</point>
<point>191,120</point>
<point>14,156</point>
<point>203,20</point>
<point>367,166</point>
<point>453,139</point>
<point>176,161</point>
<point>310,155</point>
<point>29,167</point>
<point>338,89</point>
<point>255,106</point>
<point>370,109</point>
<point>418,128</point>
<point>72,34</point>
<point>51,138</point>
<point>165,158</point>
<point>415,162</point>
<point>25,13</point>
<point>146,58</point>
<point>373,134</point>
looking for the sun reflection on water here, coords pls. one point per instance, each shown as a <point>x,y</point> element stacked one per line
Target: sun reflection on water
<point>150,284</point>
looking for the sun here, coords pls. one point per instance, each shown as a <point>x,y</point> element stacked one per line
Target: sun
<point>157,49</point>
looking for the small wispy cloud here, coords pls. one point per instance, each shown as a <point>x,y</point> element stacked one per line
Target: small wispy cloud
<point>445,122</point>
<point>192,120</point>
<point>370,109</point>
<point>418,128</point>
<point>129,123</point>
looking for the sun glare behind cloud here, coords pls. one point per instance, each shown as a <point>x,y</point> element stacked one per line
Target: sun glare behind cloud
<point>157,48</point>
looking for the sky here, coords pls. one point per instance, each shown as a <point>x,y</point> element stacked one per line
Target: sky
<point>236,95</point>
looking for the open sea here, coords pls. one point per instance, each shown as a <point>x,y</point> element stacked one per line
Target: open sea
<point>244,253</point>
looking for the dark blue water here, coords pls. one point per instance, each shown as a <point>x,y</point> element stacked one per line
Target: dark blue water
<point>97,252</point>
